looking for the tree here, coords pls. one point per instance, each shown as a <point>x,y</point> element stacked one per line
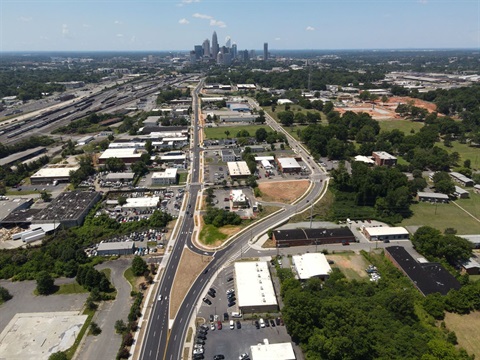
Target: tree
<point>120,327</point>
<point>122,200</point>
<point>45,283</point>
<point>384,98</point>
<point>252,181</point>
<point>467,163</point>
<point>445,187</point>
<point>139,266</point>
<point>115,164</point>
<point>261,134</point>
<point>46,197</point>
<point>149,147</point>
<point>59,355</point>
<point>4,295</point>
<point>95,329</point>
<point>286,118</point>
<point>227,133</point>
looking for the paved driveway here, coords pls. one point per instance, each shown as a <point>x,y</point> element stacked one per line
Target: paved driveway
<point>106,345</point>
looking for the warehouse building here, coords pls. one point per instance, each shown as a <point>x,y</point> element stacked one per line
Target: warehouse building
<point>432,197</point>
<point>255,292</point>
<point>311,265</point>
<point>385,233</point>
<point>120,176</point>
<point>305,237</point>
<point>85,140</point>
<point>128,156</point>
<point>383,158</point>
<point>267,351</point>
<point>461,193</point>
<point>116,248</point>
<point>9,205</point>
<point>22,156</point>
<point>461,179</point>
<point>51,173</point>
<point>476,189</point>
<point>288,165</point>
<point>428,278</point>
<point>69,208</point>
<point>167,177</point>
<point>238,169</point>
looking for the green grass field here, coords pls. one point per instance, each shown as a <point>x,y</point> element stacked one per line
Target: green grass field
<point>472,205</point>
<point>219,132</point>
<point>210,234</point>
<point>182,177</point>
<point>403,125</point>
<point>73,288</point>
<point>446,216</point>
<point>465,151</point>
<point>128,274</point>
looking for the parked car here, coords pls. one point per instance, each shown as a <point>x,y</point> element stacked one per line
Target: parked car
<point>257,324</point>
<point>219,325</point>
<point>232,325</point>
<point>239,324</point>
<point>262,323</point>
<point>225,316</point>
<point>207,301</point>
<point>272,322</point>
<point>219,357</point>
<point>244,356</point>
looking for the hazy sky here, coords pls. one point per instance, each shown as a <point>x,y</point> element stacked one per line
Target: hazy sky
<point>285,24</point>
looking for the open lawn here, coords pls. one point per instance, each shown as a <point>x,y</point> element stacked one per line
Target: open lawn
<point>350,264</point>
<point>472,205</point>
<point>442,216</point>
<point>465,151</point>
<point>283,191</point>
<point>73,288</point>
<point>320,209</point>
<point>403,125</point>
<point>465,327</point>
<point>182,177</point>
<point>219,132</point>
<point>128,274</point>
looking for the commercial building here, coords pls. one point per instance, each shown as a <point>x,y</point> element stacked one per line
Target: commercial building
<point>116,248</point>
<point>385,233</point>
<point>151,121</point>
<point>267,351</point>
<point>471,266</point>
<point>382,158</point>
<point>474,239</point>
<point>227,155</point>
<point>432,197</point>
<point>174,159</point>
<point>364,159</point>
<point>167,177</point>
<point>270,159</point>
<point>461,179</point>
<point>266,165</point>
<point>85,140</point>
<point>311,265</point>
<point>120,176</point>
<point>69,208</point>
<point>428,278</point>
<point>142,203</point>
<point>239,199</point>
<point>304,237</point>
<point>238,169</point>
<point>236,117</point>
<point>51,173</point>
<point>461,193</point>
<point>255,292</point>
<point>288,165</point>
<point>128,156</point>
<point>9,205</point>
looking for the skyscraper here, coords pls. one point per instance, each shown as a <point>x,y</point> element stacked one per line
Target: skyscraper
<point>265,51</point>
<point>214,45</point>
<point>234,51</point>
<point>228,41</point>
<point>206,47</point>
<point>198,51</point>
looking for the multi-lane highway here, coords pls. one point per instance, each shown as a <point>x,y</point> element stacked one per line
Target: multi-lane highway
<point>159,341</point>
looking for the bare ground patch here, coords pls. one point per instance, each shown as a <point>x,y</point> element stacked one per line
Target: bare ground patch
<point>466,328</point>
<point>191,264</point>
<point>350,264</point>
<point>283,191</point>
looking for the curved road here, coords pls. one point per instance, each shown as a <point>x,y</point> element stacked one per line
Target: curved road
<point>161,343</point>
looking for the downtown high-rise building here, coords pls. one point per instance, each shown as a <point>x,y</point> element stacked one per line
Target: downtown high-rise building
<point>215,46</point>
<point>206,48</point>
<point>265,51</point>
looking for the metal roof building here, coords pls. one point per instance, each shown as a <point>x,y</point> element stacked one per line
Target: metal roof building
<point>311,265</point>
<point>116,248</point>
<point>288,165</point>
<point>142,203</point>
<point>255,292</point>
<point>386,233</point>
<point>52,173</point>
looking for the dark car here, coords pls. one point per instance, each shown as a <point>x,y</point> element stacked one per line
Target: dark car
<point>277,321</point>
<point>267,324</point>
<point>207,301</point>
<point>230,278</point>
<point>200,342</point>
<point>210,317</point>
<point>272,323</point>
<point>225,316</point>
<point>198,357</point>
<point>218,357</point>
<point>257,324</point>
<point>212,294</point>
<point>230,304</point>
<point>212,290</point>
<point>239,324</point>
<point>204,327</point>
<point>201,336</point>
<point>205,271</point>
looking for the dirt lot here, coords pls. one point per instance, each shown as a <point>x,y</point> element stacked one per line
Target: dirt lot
<point>465,327</point>
<point>417,102</point>
<point>190,266</point>
<point>350,264</point>
<point>283,191</point>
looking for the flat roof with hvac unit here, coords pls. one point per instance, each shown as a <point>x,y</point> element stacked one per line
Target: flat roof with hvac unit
<point>386,233</point>
<point>120,176</point>
<point>267,351</point>
<point>311,265</point>
<point>52,173</point>
<point>127,155</point>
<point>255,290</point>
<point>142,203</point>
<point>238,169</point>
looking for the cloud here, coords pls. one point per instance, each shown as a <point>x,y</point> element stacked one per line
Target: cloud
<point>424,2</point>
<point>218,23</point>
<point>183,21</point>
<point>87,26</point>
<point>202,16</point>
<point>277,39</point>
<point>65,31</point>
<point>310,28</point>
<point>25,18</point>
<point>118,22</point>
<point>189,1</point>
<point>119,35</point>
<point>213,22</point>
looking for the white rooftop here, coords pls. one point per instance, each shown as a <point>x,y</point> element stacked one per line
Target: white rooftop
<point>117,245</point>
<point>287,163</point>
<point>254,284</point>
<point>51,172</point>
<point>142,202</point>
<point>238,196</point>
<point>120,153</point>
<point>310,265</point>
<point>261,158</point>
<point>382,231</point>
<point>170,173</point>
<point>384,155</point>
<point>282,351</point>
<point>238,168</point>
<point>365,159</point>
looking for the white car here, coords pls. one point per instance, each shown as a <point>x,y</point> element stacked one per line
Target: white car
<point>262,323</point>
<point>230,291</point>
<point>159,298</point>
<point>244,356</point>
<point>197,351</point>
<point>212,326</point>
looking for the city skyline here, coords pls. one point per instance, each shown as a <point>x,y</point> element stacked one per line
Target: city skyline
<point>177,25</point>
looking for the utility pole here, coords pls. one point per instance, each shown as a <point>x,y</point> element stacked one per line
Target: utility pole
<point>311,215</point>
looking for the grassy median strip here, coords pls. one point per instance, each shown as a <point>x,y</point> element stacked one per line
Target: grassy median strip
<point>71,352</point>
